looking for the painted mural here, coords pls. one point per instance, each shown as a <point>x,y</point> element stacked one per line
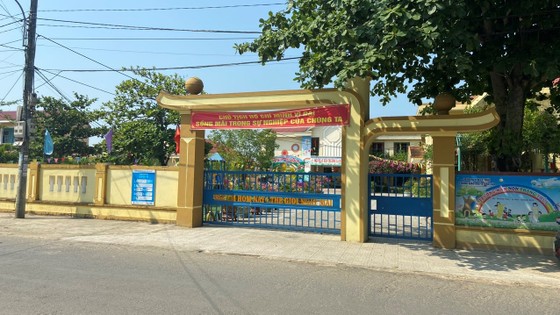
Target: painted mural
<point>510,202</point>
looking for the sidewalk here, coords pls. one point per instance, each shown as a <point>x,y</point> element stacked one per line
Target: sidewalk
<point>378,254</point>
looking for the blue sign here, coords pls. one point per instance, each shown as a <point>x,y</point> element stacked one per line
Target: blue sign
<point>143,187</point>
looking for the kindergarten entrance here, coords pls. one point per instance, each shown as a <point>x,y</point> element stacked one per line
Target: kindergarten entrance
<point>278,200</point>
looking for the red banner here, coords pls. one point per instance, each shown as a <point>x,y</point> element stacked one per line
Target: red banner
<point>332,115</point>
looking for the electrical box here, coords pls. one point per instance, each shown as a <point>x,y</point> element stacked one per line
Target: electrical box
<point>19,130</point>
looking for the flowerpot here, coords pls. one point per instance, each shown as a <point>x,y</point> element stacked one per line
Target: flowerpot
<point>443,103</point>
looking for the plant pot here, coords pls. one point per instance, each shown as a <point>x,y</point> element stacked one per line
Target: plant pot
<point>443,103</point>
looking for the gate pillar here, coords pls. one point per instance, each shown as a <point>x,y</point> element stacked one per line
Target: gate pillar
<point>354,212</point>
<point>443,169</point>
<point>191,172</point>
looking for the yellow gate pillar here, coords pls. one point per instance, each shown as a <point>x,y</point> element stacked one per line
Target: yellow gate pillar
<point>443,169</point>
<point>354,212</point>
<point>191,173</point>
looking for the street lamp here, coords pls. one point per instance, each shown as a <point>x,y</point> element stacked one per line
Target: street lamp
<point>458,141</point>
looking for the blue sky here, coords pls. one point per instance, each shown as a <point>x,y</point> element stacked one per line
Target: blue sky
<point>65,45</point>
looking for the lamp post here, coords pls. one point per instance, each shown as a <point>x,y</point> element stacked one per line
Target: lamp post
<point>458,141</point>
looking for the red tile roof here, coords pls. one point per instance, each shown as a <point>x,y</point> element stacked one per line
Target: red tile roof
<point>291,129</point>
<point>8,115</point>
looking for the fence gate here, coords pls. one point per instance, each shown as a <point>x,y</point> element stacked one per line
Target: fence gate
<point>400,206</point>
<point>287,200</point>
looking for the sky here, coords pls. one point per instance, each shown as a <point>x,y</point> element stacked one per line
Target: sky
<point>78,38</point>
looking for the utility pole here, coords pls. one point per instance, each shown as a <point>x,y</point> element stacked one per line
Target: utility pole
<point>28,100</point>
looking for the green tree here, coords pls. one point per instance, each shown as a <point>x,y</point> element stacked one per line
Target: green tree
<point>245,149</point>
<point>143,131</point>
<point>541,133</point>
<point>69,124</point>
<point>506,48</point>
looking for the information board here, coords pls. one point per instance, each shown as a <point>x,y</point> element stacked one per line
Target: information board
<point>143,187</point>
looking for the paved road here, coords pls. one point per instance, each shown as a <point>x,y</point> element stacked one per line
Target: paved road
<point>65,276</point>
<point>326,249</point>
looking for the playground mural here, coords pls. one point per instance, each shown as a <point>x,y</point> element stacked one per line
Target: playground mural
<point>509,201</point>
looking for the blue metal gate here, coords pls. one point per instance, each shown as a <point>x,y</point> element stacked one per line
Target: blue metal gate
<point>400,206</point>
<point>287,200</point>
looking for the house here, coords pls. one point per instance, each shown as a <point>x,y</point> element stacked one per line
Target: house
<point>7,124</point>
<point>321,147</point>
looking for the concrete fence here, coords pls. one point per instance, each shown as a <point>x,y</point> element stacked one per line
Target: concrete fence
<point>96,191</point>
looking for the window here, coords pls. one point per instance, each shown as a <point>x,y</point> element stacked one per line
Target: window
<point>315,146</point>
<point>401,147</point>
<point>377,149</point>
<point>8,135</point>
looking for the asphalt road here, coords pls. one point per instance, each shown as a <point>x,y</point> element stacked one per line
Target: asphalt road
<point>46,276</point>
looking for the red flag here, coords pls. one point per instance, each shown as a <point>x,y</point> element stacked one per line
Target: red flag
<point>178,139</point>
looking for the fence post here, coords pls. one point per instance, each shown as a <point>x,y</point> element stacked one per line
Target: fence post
<point>33,182</point>
<point>100,183</point>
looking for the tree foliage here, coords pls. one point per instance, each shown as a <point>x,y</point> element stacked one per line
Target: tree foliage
<point>541,135</point>
<point>143,131</point>
<point>506,48</point>
<point>69,124</point>
<point>245,149</point>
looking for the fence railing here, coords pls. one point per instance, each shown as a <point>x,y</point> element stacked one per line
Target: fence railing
<point>302,201</point>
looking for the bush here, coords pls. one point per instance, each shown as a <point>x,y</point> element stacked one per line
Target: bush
<point>8,153</point>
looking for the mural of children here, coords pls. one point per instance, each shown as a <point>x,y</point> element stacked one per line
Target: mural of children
<point>534,213</point>
<point>500,207</point>
<point>505,215</point>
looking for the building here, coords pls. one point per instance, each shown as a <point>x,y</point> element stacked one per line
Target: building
<point>7,124</point>
<point>321,147</point>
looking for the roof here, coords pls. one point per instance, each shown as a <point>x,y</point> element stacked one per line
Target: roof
<point>8,115</point>
<point>290,129</point>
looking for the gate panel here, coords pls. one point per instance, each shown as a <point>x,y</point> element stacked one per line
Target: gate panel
<point>295,201</point>
<point>400,206</point>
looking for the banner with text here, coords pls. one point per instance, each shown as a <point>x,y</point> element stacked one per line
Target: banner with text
<point>332,115</point>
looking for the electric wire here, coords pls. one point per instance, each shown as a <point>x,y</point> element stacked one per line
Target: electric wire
<point>167,9</point>
<point>144,52</point>
<point>10,90</point>
<point>75,81</point>
<point>88,58</point>
<point>176,68</point>
<point>51,85</point>
<point>149,28</point>
<point>151,38</point>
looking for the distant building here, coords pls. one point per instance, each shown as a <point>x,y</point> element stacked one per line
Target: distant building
<point>7,124</point>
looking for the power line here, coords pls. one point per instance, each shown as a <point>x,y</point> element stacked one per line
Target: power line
<point>49,83</point>
<point>75,81</point>
<point>150,38</point>
<point>10,90</point>
<point>88,58</point>
<point>167,9</point>
<point>145,52</point>
<point>174,68</point>
<point>149,28</point>
<point>11,29</point>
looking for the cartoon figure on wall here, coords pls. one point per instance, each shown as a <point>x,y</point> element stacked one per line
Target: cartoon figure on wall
<point>513,202</point>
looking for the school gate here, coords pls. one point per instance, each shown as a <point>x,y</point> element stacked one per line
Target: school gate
<point>357,136</point>
<point>401,206</point>
<point>282,200</point>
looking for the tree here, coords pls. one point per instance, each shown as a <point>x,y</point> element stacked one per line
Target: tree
<point>142,131</point>
<point>541,135</point>
<point>541,132</point>
<point>69,124</point>
<point>246,149</point>
<point>424,47</point>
